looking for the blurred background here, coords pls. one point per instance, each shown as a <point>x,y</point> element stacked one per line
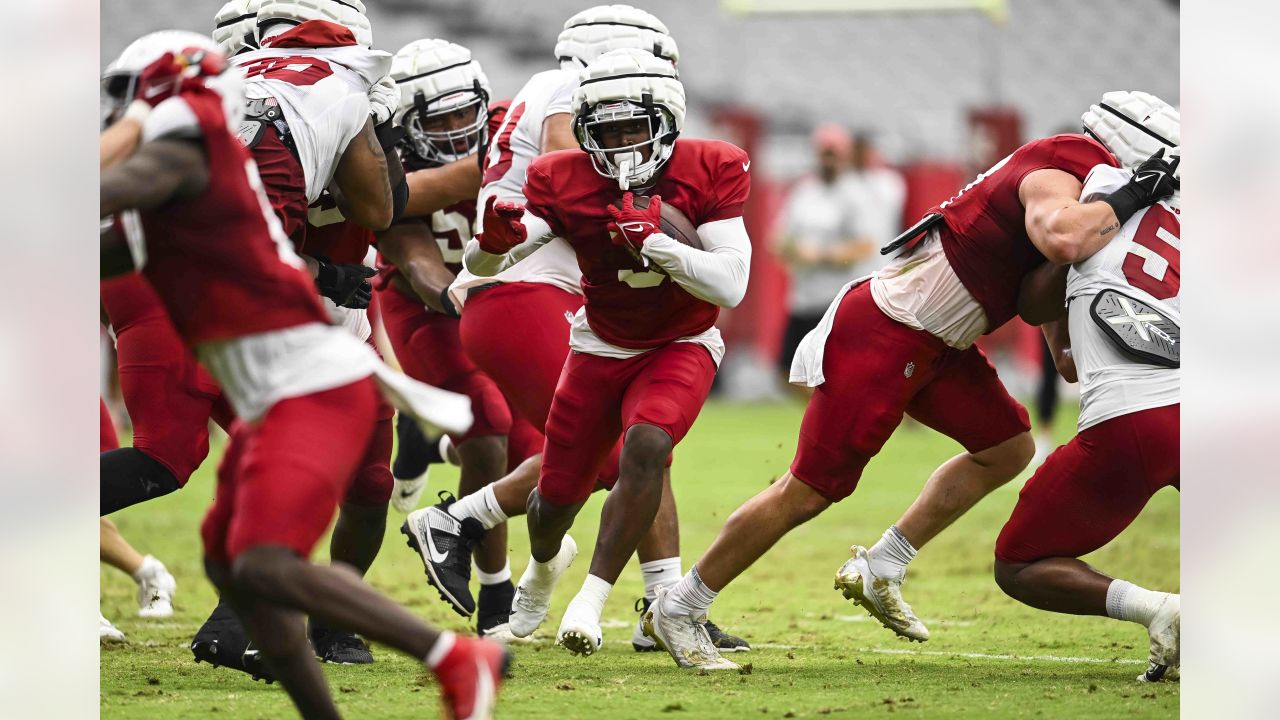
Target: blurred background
<point>858,114</point>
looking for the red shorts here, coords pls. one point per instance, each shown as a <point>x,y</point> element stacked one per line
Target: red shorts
<point>282,478</point>
<point>876,370</point>
<point>372,484</point>
<point>429,349</point>
<point>598,399</point>
<point>170,397</point>
<point>107,439</point>
<point>1089,490</point>
<point>284,182</point>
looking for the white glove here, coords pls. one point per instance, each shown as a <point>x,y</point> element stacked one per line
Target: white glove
<point>384,100</point>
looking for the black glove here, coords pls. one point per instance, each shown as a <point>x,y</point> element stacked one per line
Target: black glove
<point>346,285</point>
<point>1152,182</point>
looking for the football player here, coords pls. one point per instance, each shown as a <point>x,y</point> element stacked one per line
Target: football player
<point>305,392</point>
<point>902,343</point>
<point>1121,339</point>
<point>645,343</point>
<point>525,357</point>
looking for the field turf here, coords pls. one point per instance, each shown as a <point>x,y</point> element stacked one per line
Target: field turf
<point>816,655</point>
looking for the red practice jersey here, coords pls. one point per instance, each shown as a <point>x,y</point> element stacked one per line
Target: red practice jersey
<point>985,237</point>
<point>330,235</point>
<point>707,180</point>
<point>219,261</point>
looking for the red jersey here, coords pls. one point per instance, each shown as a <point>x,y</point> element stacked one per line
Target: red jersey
<point>985,233</point>
<point>219,261</point>
<point>330,235</point>
<point>707,180</point>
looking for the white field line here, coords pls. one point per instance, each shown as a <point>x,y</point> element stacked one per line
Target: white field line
<point>944,653</point>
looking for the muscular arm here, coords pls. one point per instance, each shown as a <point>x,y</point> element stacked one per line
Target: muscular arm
<point>118,141</point>
<point>435,189</point>
<point>411,247</point>
<point>1042,298</point>
<point>362,177</point>
<point>557,133</point>
<point>159,171</point>
<point>1059,338</point>
<point>1061,227</point>
<point>717,274</point>
<point>486,264</point>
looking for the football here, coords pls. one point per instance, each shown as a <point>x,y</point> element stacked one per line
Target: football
<point>673,222</point>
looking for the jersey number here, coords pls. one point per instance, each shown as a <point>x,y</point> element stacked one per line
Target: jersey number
<point>1154,262</point>
<point>500,163</point>
<point>449,227</point>
<point>293,70</point>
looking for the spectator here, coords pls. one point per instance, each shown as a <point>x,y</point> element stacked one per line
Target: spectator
<point>883,191</point>
<point>824,236</point>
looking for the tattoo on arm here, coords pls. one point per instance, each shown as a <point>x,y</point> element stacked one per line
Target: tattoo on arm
<point>1109,229</point>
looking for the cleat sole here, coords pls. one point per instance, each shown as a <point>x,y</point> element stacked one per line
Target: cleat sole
<point>412,542</point>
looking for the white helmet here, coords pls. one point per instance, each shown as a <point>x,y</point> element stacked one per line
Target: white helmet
<point>198,54</point>
<point>348,13</point>
<point>595,31</point>
<point>1133,125</point>
<point>437,77</point>
<point>235,27</point>
<point>623,86</point>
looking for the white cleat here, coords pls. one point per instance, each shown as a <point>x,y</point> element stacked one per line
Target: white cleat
<point>155,589</point>
<point>1165,630</point>
<point>685,637</point>
<point>882,597</point>
<point>533,593</point>
<point>108,633</point>
<point>406,493</point>
<point>580,630</point>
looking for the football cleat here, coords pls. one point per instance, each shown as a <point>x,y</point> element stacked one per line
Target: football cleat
<point>155,589</point>
<point>533,594</point>
<point>470,676</point>
<point>108,633</point>
<point>725,642</point>
<point>881,597</point>
<point>1165,631</point>
<point>493,613</point>
<point>684,637</point>
<point>445,545</point>
<point>639,641</point>
<point>415,454</point>
<point>338,646</point>
<point>580,630</point>
<point>223,642</point>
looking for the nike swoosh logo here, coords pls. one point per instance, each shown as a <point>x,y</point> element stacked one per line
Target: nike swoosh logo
<point>406,493</point>
<point>637,227</point>
<point>746,166</point>
<point>1157,175</point>
<point>436,555</point>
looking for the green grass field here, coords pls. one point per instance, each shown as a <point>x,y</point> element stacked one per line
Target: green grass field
<point>815,655</point>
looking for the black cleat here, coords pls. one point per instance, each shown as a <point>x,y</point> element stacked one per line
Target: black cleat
<point>338,646</point>
<point>223,642</point>
<point>445,545</point>
<point>493,616</point>
<point>725,642</point>
<point>414,451</point>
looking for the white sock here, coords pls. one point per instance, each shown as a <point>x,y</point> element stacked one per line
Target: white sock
<point>689,597</point>
<point>1126,601</point>
<point>593,595</point>
<point>503,575</point>
<point>659,573</point>
<point>444,644</point>
<point>890,555</point>
<point>149,568</point>
<point>481,505</point>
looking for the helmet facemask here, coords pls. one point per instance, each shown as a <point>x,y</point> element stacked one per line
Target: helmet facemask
<point>601,131</point>
<point>431,124</point>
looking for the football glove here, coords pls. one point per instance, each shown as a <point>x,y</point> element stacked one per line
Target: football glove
<point>631,225</point>
<point>1153,180</point>
<point>502,227</point>
<point>346,285</point>
<point>384,99</point>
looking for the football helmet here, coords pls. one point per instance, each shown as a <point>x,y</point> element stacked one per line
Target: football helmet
<point>598,30</point>
<point>623,86</point>
<point>1133,125</point>
<point>348,13</point>
<point>198,54</point>
<point>235,27</point>
<point>438,78</point>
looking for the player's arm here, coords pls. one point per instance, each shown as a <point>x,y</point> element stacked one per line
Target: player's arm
<point>511,234</point>
<point>1061,227</point>
<point>557,133</point>
<point>1059,338</point>
<point>119,141</point>
<point>437,188</point>
<point>718,273</point>
<point>1042,297</point>
<point>362,177</point>
<point>159,171</point>
<point>412,248</point>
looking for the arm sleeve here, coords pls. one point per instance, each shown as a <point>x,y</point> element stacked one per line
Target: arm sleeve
<point>171,118</point>
<point>483,264</point>
<point>717,274</point>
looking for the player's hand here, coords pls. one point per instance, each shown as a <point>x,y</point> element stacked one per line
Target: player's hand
<point>160,80</point>
<point>502,227</point>
<point>631,225</point>
<point>1152,181</point>
<point>346,285</point>
<point>384,100</point>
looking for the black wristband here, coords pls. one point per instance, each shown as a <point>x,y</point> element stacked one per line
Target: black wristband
<point>446,304</point>
<point>399,198</point>
<point>388,134</point>
<point>1125,202</point>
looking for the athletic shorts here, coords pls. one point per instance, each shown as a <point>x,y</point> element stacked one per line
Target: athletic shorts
<point>1089,490</point>
<point>107,439</point>
<point>282,477</point>
<point>877,370</point>
<point>598,399</point>
<point>428,348</point>
<point>170,397</point>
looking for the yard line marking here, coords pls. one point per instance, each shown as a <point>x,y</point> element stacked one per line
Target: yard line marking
<point>944,653</point>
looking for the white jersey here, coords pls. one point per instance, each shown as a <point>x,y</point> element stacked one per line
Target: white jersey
<point>324,95</point>
<point>1142,261</point>
<point>512,148</point>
